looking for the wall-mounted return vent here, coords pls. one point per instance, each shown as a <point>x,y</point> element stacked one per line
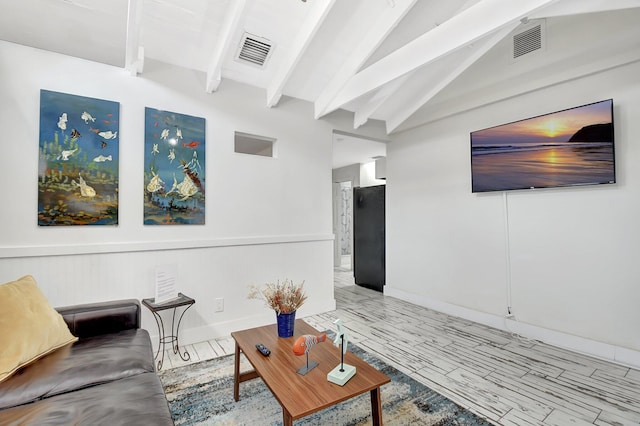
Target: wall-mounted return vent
<point>530,40</point>
<point>254,50</point>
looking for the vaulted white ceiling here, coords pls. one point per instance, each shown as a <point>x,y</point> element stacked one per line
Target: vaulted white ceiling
<point>387,60</point>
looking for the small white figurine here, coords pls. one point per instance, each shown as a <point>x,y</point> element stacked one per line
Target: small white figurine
<point>343,372</point>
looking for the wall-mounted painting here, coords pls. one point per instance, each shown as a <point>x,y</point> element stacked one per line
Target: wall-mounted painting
<point>174,168</point>
<point>78,160</point>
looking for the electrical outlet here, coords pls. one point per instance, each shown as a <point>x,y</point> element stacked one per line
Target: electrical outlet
<point>219,305</point>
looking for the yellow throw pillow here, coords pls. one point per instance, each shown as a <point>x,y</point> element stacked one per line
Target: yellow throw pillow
<point>29,327</point>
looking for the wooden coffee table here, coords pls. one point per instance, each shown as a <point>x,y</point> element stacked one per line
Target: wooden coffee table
<point>300,395</point>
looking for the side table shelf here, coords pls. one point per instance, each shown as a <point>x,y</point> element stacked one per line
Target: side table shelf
<point>163,339</point>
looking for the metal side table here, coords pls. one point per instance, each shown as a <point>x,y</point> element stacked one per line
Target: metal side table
<point>163,339</point>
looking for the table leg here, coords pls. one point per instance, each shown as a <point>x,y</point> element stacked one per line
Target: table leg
<point>376,407</point>
<point>236,374</point>
<point>176,349</point>
<point>161,339</point>
<point>287,420</point>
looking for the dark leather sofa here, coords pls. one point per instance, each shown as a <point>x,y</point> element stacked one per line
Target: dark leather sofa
<point>106,378</point>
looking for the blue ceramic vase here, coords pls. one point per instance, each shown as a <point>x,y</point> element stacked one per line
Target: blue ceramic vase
<point>286,323</point>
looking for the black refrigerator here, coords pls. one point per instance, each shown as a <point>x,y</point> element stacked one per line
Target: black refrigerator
<point>369,237</point>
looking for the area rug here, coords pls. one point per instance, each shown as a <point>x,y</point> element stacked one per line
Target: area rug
<point>202,394</point>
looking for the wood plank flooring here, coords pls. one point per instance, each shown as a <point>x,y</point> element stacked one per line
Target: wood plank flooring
<point>504,378</point>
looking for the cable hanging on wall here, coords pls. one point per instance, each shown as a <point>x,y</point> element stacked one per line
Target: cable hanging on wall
<point>507,246</point>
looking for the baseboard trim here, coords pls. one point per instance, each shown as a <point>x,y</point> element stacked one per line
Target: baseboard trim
<point>619,355</point>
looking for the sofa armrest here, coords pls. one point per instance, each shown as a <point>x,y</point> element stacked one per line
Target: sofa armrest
<point>94,319</point>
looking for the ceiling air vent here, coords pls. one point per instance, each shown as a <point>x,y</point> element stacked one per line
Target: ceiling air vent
<point>529,40</point>
<point>254,50</point>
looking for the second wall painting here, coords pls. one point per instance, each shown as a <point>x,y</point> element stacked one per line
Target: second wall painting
<point>174,168</point>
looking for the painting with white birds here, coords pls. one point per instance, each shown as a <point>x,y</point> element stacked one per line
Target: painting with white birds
<point>174,168</point>
<point>78,160</point>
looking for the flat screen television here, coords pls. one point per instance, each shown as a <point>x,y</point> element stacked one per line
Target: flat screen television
<point>565,148</point>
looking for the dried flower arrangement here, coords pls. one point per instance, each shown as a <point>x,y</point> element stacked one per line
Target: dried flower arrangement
<point>283,297</point>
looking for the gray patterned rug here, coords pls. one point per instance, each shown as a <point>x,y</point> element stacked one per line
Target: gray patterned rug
<point>202,394</point>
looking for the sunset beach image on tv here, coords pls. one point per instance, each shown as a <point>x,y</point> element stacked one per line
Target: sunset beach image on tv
<point>564,148</point>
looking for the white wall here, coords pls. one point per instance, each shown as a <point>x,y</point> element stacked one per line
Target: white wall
<point>348,173</point>
<point>368,175</point>
<point>566,258</point>
<point>266,218</point>
<point>362,174</point>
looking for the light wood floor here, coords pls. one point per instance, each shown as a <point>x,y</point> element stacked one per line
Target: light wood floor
<point>501,377</point>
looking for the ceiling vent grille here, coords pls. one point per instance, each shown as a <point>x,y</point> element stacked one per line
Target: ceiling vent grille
<point>254,50</point>
<point>528,41</point>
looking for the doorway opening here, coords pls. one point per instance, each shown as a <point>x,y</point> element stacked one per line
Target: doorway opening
<point>345,223</point>
<point>354,162</point>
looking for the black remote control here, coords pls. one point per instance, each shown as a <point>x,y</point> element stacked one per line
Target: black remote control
<point>263,349</point>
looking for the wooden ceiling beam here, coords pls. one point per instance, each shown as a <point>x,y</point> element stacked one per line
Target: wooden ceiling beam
<point>229,28</point>
<point>319,11</point>
<point>476,52</point>
<point>134,53</point>
<point>575,7</point>
<point>373,39</point>
<point>363,114</point>
<point>461,30</point>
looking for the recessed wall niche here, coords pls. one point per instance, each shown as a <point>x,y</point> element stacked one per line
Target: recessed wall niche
<point>245,143</point>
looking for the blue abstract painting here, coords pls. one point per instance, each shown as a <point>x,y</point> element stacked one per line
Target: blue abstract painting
<point>78,160</point>
<point>174,168</point>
